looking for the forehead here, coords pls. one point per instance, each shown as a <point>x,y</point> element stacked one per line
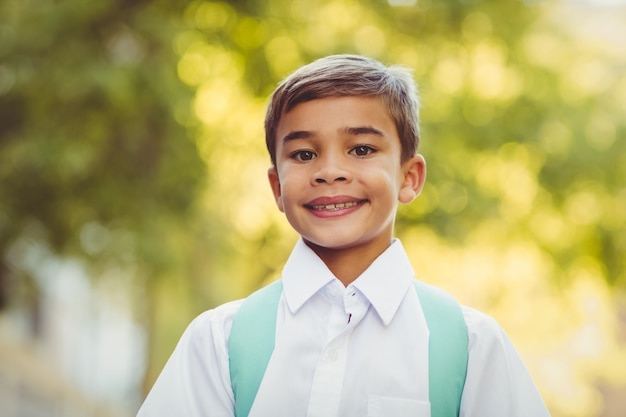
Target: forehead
<point>333,114</point>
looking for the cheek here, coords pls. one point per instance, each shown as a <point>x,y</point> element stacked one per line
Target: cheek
<point>287,196</point>
<point>390,180</point>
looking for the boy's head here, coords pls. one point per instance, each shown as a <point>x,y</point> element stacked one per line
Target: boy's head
<point>349,75</point>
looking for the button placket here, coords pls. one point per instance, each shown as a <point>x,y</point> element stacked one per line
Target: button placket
<point>328,379</point>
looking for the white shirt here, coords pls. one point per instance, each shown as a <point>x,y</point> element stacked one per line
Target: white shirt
<point>343,351</point>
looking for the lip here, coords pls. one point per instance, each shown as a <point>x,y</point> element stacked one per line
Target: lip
<point>334,206</point>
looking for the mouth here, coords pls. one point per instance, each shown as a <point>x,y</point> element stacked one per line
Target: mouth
<point>335,206</point>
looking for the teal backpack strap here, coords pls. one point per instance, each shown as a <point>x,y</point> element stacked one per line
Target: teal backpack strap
<point>254,323</point>
<point>447,349</point>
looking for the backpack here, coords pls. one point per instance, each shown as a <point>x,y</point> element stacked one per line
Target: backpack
<point>253,331</point>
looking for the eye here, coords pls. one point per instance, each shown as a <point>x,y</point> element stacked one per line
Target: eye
<point>362,150</point>
<point>303,156</point>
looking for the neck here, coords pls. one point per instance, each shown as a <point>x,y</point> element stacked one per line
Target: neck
<point>348,264</point>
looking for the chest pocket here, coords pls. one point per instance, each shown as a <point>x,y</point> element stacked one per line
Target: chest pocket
<point>397,407</point>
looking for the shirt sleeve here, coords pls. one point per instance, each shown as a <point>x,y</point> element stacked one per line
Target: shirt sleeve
<point>498,383</point>
<point>195,381</point>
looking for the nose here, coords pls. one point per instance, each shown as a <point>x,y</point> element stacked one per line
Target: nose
<point>323,180</point>
<point>331,170</point>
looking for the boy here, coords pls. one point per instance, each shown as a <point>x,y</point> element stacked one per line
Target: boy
<point>351,333</point>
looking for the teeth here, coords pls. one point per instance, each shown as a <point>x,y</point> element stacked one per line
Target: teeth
<point>337,206</point>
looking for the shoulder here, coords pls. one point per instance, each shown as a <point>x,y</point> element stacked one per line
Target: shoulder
<point>498,382</point>
<point>218,322</point>
<point>493,359</point>
<point>185,386</point>
<point>482,329</point>
<point>215,323</point>
<point>221,314</point>
<point>479,322</point>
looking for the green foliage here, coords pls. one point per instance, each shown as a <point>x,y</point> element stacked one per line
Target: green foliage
<point>88,132</point>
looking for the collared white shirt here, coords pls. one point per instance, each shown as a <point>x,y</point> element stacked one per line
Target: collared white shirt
<point>343,351</point>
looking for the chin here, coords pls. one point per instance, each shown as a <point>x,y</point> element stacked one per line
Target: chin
<point>334,244</point>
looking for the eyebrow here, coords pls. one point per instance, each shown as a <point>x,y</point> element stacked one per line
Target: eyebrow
<point>297,134</point>
<point>361,130</point>
<point>348,130</point>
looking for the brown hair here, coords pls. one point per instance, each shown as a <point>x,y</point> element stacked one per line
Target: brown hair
<point>349,75</point>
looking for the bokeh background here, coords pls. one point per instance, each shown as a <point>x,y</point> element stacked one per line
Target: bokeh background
<point>133,190</point>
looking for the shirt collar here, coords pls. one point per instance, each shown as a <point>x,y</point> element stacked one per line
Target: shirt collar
<point>384,283</point>
<point>304,274</point>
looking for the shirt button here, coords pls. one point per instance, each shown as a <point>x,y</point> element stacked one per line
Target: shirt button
<point>333,355</point>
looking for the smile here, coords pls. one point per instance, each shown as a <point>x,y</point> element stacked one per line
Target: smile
<point>334,207</point>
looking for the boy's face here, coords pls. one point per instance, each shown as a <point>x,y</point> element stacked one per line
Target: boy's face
<point>338,176</point>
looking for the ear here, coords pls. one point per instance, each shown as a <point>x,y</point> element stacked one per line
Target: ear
<point>272,175</point>
<point>414,175</point>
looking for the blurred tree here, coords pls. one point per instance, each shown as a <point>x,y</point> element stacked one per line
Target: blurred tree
<point>97,159</point>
